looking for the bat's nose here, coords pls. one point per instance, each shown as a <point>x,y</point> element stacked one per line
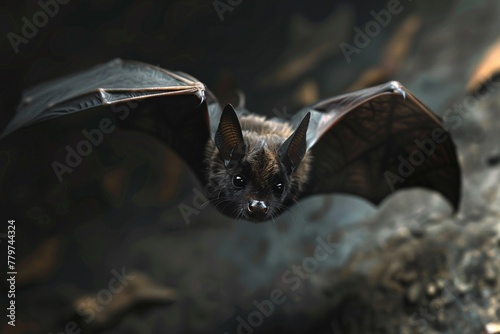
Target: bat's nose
<point>257,207</point>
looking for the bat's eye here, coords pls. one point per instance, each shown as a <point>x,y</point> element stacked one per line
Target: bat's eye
<point>278,188</point>
<point>239,181</point>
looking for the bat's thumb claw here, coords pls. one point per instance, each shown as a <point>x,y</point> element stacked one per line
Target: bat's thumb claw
<point>398,88</point>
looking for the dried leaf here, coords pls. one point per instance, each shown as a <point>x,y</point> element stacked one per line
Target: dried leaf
<point>370,77</point>
<point>394,54</point>
<point>493,328</point>
<point>307,93</point>
<point>396,50</point>
<point>486,67</point>
<point>139,290</point>
<point>113,183</point>
<point>41,263</point>
<point>314,43</point>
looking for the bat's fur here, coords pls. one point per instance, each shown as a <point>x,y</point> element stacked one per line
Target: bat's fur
<point>261,166</point>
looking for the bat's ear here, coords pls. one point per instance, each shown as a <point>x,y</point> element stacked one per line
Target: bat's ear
<point>292,151</point>
<point>229,138</point>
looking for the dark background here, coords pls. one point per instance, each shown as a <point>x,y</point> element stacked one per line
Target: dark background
<point>178,35</point>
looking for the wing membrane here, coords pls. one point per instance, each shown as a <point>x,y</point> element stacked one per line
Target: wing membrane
<point>375,141</point>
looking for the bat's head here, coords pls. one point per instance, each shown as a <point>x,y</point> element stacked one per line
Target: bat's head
<point>257,168</point>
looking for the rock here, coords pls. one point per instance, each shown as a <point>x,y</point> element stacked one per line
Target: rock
<point>414,293</point>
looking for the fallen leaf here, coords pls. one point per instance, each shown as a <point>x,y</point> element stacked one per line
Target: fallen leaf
<point>370,77</point>
<point>307,93</point>
<point>488,66</point>
<point>113,183</point>
<point>493,328</point>
<point>394,55</point>
<point>396,50</point>
<point>41,263</point>
<point>309,44</point>
<point>139,290</point>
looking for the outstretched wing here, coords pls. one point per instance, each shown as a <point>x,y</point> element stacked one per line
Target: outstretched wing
<point>374,141</point>
<point>173,107</point>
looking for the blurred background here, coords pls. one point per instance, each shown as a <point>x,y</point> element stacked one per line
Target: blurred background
<point>108,249</point>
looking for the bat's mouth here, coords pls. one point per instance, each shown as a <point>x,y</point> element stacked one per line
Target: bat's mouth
<point>255,217</point>
<point>239,211</point>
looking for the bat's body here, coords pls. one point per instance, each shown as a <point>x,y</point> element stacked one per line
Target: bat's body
<point>368,143</point>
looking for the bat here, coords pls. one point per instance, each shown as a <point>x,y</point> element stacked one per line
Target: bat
<point>369,143</point>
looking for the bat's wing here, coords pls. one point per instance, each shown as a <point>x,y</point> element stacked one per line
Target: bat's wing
<point>173,107</point>
<point>374,141</point>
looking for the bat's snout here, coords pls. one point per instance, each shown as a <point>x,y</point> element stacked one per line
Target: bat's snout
<point>257,208</point>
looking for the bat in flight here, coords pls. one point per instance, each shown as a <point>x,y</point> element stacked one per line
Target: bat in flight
<point>369,142</point>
